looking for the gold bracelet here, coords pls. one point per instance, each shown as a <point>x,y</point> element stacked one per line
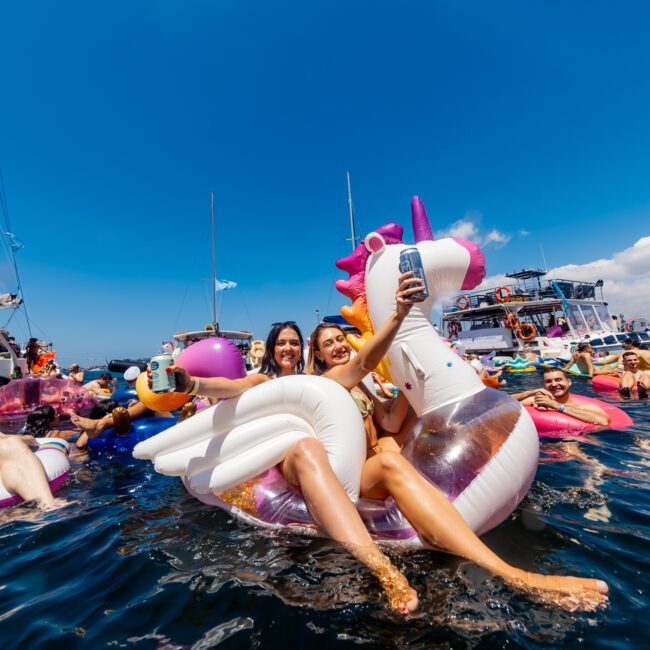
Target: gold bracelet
<point>195,387</point>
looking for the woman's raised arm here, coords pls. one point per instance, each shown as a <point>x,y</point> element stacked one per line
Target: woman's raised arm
<point>374,350</point>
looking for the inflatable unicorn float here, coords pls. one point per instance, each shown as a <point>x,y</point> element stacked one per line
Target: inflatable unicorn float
<point>477,444</point>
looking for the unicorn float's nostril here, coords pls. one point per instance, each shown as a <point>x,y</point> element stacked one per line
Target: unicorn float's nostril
<point>476,270</point>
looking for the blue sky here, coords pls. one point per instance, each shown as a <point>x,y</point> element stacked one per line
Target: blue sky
<point>117,119</point>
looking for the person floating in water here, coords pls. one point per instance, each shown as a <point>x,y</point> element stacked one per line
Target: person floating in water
<point>582,358</point>
<point>631,374</point>
<point>555,397</point>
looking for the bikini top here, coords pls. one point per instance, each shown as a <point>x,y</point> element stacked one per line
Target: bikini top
<point>366,407</point>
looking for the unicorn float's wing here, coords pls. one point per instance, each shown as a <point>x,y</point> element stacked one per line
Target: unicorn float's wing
<point>240,438</point>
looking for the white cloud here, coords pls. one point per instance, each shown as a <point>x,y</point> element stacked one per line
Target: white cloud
<point>523,233</point>
<point>463,229</point>
<point>468,228</point>
<point>497,238</point>
<point>626,277</point>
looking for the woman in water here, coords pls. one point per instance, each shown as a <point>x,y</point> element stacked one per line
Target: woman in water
<point>388,473</point>
<point>306,465</point>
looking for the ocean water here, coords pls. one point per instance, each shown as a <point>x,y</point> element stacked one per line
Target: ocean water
<point>137,562</point>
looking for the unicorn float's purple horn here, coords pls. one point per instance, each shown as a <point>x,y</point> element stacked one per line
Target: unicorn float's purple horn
<point>421,226</point>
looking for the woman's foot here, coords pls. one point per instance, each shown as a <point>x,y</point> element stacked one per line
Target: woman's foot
<point>401,597</point>
<point>572,594</point>
<point>85,424</point>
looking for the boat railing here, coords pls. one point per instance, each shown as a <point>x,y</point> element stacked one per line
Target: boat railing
<point>509,293</point>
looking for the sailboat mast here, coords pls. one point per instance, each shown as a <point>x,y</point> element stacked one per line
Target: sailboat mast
<point>354,235</point>
<point>5,212</point>
<point>214,271</point>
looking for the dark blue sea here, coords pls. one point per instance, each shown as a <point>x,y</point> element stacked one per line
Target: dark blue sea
<point>137,562</point>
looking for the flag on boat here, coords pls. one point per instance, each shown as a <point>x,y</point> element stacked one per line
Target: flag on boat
<point>222,285</point>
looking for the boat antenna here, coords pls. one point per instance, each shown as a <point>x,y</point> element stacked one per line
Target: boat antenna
<point>541,248</point>
<point>5,212</point>
<point>354,235</point>
<point>215,324</point>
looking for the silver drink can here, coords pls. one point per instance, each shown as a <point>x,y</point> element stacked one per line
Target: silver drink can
<point>410,260</point>
<point>161,380</point>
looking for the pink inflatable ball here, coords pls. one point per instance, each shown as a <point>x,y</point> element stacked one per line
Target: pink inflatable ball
<point>213,357</point>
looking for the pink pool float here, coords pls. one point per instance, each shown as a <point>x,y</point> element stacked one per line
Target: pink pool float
<point>21,396</point>
<point>553,424</point>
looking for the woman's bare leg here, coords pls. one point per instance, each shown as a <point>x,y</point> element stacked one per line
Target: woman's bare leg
<point>436,519</point>
<point>306,465</point>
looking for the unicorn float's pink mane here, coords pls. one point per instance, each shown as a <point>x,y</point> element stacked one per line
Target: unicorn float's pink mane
<point>355,288</point>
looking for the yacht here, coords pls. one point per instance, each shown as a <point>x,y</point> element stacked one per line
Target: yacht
<point>551,315</point>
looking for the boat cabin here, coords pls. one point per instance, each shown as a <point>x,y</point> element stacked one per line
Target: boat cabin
<point>550,315</point>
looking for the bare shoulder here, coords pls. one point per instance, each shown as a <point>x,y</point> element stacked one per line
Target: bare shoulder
<point>255,378</point>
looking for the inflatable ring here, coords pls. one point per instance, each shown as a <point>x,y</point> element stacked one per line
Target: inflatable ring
<point>453,327</point>
<point>53,454</point>
<point>502,294</point>
<point>607,383</point>
<point>552,424</point>
<point>462,302</point>
<point>141,429</point>
<point>511,321</point>
<point>526,332</point>
<point>124,396</point>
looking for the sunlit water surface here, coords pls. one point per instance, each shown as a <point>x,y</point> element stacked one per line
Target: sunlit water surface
<point>138,562</point>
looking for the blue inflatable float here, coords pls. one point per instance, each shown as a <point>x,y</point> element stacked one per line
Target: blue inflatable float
<point>123,396</point>
<point>141,429</point>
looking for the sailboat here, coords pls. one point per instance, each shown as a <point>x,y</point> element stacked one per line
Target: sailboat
<point>241,338</point>
<point>10,300</point>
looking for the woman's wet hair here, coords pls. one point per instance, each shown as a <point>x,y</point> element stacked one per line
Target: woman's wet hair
<point>269,365</point>
<point>106,376</point>
<point>102,409</point>
<point>314,365</point>
<point>39,421</point>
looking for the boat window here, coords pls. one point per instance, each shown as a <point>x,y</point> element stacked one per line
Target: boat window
<point>597,342</point>
<point>643,336</point>
<point>605,317</point>
<point>590,318</point>
<point>576,320</point>
<point>609,340</point>
<point>621,337</point>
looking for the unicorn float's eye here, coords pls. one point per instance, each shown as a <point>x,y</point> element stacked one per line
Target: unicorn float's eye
<point>374,243</point>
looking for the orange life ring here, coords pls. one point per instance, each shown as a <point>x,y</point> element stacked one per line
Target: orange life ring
<point>502,294</point>
<point>453,327</point>
<point>531,332</point>
<point>462,302</point>
<point>511,321</point>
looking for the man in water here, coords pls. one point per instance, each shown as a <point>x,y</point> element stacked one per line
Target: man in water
<point>555,397</point>
<point>99,386</point>
<point>582,358</point>
<point>632,373</point>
